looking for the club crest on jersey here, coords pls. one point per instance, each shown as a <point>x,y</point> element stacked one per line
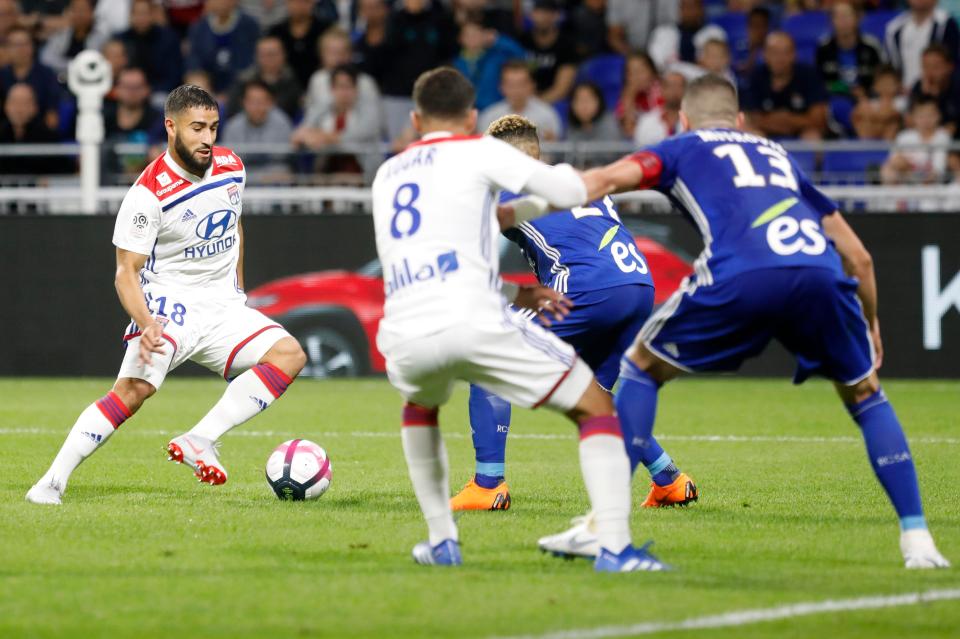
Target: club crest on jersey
<point>234,192</point>
<point>216,224</point>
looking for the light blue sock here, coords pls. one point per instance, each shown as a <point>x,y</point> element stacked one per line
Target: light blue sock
<point>890,457</point>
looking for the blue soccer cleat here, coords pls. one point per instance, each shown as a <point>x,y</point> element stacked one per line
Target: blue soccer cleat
<point>446,553</point>
<point>630,559</point>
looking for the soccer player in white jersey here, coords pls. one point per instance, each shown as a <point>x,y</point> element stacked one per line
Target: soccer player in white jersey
<point>445,317</point>
<point>179,247</point>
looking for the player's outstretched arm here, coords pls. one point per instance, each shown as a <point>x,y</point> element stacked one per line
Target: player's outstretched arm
<point>127,282</point>
<point>635,172</point>
<point>858,263</point>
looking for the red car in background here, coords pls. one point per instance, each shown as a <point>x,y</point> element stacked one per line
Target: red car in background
<point>335,314</point>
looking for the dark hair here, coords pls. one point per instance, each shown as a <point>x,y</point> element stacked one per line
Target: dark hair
<point>345,69</point>
<point>886,69</point>
<point>257,84</point>
<point>924,100</point>
<point>188,96</point>
<point>516,65</point>
<point>647,60</point>
<point>601,103</point>
<point>443,93</point>
<point>761,12</point>
<point>938,49</point>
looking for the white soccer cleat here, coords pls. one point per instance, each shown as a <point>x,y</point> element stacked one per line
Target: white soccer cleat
<point>200,454</point>
<point>47,492</point>
<point>919,551</point>
<point>579,541</point>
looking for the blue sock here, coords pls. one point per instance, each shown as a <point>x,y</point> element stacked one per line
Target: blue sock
<point>490,423</point>
<point>636,401</point>
<point>890,457</point>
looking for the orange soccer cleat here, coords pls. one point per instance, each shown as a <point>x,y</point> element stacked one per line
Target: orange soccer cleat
<point>475,497</point>
<point>679,493</point>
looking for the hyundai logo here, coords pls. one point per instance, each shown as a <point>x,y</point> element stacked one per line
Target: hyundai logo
<point>216,224</point>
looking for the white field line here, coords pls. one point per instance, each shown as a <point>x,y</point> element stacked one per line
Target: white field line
<point>241,432</point>
<point>757,615</point>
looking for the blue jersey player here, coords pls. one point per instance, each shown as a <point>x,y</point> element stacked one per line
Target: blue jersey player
<point>779,263</point>
<point>590,257</point>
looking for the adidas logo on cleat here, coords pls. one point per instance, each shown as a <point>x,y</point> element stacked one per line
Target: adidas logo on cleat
<point>95,437</point>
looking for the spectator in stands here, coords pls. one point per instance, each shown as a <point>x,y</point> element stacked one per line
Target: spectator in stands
<point>368,48</point>
<point>630,22</point>
<point>222,43</point>
<point>553,57</point>
<point>664,121</point>
<point>502,19</point>
<point>334,53</point>
<point>641,91</point>
<point>153,47</point>
<point>199,78</point>
<point>519,92</point>
<point>758,28</point>
<point>344,121</point>
<point>116,54</point>
<point>938,82</point>
<point>589,120</point>
<point>482,56</point>
<point>130,119</point>
<point>919,154</point>
<point>299,34</point>
<point>80,33</point>
<point>9,18</point>
<point>260,122</point>
<point>589,25</point>
<point>112,16</point>
<point>181,14</point>
<point>23,125</point>
<point>848,59</point>
<point>266,12</point>
<point>880,117</point>
<point>270,69</point>
<point>23,68</point>
<point>911,32</point>
<point>421,35</point>
<point>714,57</point>
<point>786,99</point>
<point>679,43</point>
<point>43,17</point>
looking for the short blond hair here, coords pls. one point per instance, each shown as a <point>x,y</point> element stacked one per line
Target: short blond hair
<point>710,98</point>
<point>517,131</point>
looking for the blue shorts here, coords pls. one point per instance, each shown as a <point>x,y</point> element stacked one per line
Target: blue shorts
<point>813,312</point>
<point>603,324</point>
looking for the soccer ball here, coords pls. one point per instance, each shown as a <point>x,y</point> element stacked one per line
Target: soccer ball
<point>298,470</point>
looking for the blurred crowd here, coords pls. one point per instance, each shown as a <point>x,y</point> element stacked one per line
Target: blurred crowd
<point>328,76</point>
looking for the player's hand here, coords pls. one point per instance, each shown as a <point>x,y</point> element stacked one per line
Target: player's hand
<point>151,341</point>
<point>506,216</point>
<point>549,304</point>
<point>877,343</point>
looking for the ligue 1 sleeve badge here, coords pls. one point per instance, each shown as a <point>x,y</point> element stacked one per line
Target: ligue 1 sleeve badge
<point>234,192</point>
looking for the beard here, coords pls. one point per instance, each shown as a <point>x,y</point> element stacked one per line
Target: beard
<point>190,161</point>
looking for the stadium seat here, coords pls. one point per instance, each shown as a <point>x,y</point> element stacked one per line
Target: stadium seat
<point>841,111</point>
<point>875,23</point>
<point>851,167</point>
<point>606,71</point>
<point>806,160</point>
<point>734,24</point>
<point>807,53</point>
<point>807,29</point>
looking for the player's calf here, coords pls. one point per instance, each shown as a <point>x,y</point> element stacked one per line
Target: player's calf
<point>91,431</point>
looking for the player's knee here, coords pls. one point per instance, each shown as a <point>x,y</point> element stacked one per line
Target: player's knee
<point>859,391</point>
<point>646,361</point>
<point>595,402</point>
<point>133,392</point>
<point>288,356</point>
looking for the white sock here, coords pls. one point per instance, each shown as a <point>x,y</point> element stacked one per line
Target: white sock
<point>246,396</point>
<point>91,430</point>
<point>427,462</point>
<point>606,472</point>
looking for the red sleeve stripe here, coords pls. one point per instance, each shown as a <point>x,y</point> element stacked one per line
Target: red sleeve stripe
<point>652,167</point>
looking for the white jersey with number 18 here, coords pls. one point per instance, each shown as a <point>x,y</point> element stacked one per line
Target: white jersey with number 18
<point>187,226</point>
<point>434,213</point>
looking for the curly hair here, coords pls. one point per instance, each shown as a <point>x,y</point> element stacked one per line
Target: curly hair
<point>514,129</point>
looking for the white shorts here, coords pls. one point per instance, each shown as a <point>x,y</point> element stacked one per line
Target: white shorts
<point>228,337</point>
<point>509,356</point>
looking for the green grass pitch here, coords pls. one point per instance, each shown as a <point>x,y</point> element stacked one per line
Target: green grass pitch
<point>140,549</point>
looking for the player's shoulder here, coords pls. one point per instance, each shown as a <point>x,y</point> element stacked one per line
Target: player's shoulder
<point>226,161</point>
<point>158,180</point>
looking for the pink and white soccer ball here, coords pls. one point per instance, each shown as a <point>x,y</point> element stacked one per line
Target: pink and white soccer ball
<point>299,469</point>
